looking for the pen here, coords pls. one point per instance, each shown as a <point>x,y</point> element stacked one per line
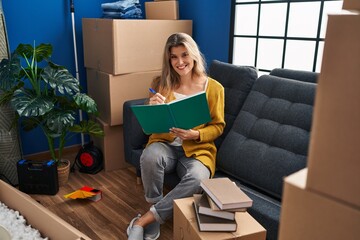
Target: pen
<point>152,90</point>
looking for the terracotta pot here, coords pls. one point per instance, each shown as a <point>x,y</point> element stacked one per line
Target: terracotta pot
<point>63,171</point>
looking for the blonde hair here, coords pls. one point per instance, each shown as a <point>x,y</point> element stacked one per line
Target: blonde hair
<point>170,79</point>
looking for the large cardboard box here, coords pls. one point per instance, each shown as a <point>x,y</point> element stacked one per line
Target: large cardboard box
<point>112,146</point>
<point>118,46</point>
<point>111,91</point>
<point>36,215</point>
<point>186,228</point>
<point>351,4</point>
<point>162,10</point>
<point>334,153</point>
<point>310,215</point>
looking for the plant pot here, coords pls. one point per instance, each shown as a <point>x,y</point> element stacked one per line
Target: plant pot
<point>63,169</point>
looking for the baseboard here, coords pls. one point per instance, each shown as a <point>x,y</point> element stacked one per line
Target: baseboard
<point>71,150</point>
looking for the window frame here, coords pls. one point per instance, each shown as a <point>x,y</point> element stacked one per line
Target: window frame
<point>285,38</point>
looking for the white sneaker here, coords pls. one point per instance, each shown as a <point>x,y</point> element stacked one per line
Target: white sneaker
<point>152,231</point>
<point>135,232</point>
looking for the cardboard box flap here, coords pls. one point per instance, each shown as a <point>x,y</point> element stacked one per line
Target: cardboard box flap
<point>36,215</point>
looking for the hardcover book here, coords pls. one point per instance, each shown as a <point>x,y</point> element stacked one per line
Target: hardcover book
<point>204,208</point>
<point>225,193</point>
<point>184,113</point>
<point>214,207</point>
<point>210,223</point>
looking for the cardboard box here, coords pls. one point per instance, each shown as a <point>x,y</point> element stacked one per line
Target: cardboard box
<point>112,146</point>
<point>162,10</point>
<point>351,4</point>
<point>118,46</point>
<point>36,215</point>
<point>334,151</point>
<point>186,228</point>
<point>309,215</point>
<point>111,91</point>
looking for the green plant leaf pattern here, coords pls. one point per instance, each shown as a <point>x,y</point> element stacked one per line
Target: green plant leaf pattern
<point>9,71</point>
<point>89,127</point>
<point>28,104</point>
<point>59,121</point>
<point>61,80</point>
<point>86,103</point>
<point>41,52</point>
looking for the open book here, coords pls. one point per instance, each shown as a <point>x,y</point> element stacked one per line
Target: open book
<point>184,113</point>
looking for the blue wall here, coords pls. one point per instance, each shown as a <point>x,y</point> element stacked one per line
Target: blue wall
<point>46,21</point>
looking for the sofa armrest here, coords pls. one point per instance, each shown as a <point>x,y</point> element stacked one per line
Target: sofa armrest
<point>134,137</point>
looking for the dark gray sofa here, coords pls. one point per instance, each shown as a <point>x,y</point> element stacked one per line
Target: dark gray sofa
<point>268,122</point>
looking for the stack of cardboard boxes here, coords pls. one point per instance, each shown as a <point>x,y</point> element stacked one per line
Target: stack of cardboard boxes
<point>121,58</point>
<point>323,201</point>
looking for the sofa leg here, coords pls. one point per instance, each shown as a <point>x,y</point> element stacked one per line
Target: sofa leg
<point>138,177</point>
<point>138,181</point>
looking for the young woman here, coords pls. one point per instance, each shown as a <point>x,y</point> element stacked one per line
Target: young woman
<point>189,152</point>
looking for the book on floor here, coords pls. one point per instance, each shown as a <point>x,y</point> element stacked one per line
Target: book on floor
<point>204,208</point>
<point>225,193</point>
<point>210,223</point>
<point>184,113</point>
<point>85,192</point>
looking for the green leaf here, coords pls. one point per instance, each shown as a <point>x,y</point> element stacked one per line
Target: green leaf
<point>42,51</point>
<point>88,127</point>
<point>9,73</point>
<point>61,80</point>
<point>28,104</point>
<point>5,97</point>
<point>59,121</point>
<point>86,103</point>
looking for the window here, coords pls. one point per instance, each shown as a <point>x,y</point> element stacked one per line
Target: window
<point>271,34</point>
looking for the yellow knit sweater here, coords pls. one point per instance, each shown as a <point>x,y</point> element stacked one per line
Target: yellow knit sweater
<point>204,149</point>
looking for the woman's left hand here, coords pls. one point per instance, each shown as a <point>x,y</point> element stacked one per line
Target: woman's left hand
<point>185,134</point>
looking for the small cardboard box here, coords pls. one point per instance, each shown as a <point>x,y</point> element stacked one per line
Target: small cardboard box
<point>111,91</point>
<point>112,146</point>
<point>36,215</point>
<point>119,46</point>
<point>186,228</point>
<point>162,10</point>
<point>308,215</point>
<point>351,4</point>
<point>334,153</point>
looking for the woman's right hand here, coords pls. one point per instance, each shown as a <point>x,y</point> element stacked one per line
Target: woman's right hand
<point>157,99</point>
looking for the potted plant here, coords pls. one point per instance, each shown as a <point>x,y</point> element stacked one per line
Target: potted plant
<point>45,95</point>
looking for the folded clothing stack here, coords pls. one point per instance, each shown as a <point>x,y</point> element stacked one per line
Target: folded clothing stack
<point>123,9</point>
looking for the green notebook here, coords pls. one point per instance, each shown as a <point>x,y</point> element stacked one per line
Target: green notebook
<point>184,113</point>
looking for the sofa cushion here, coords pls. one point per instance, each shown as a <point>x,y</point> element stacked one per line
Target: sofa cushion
<point>304,76</point>
<point>134,137</point>
<point>237,82</point>
<point>270,136</point>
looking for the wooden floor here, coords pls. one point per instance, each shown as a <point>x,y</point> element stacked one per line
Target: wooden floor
<point>108,218</point>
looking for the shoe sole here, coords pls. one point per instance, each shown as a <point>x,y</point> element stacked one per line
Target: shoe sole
<point>152,238</point>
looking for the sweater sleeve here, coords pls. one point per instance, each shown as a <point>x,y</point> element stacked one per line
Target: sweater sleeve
<point>212,130</point>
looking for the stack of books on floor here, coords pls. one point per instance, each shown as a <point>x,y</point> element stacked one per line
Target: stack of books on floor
<point>215,209</point>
